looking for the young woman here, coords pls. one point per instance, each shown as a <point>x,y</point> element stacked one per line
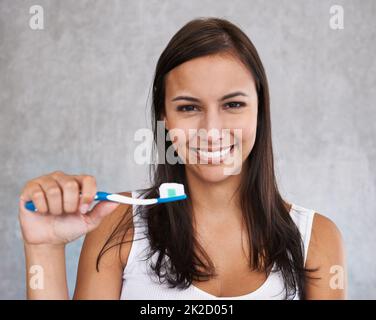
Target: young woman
<point>234,236</point>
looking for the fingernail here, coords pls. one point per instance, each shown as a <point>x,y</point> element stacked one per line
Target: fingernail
<point>84,207</point>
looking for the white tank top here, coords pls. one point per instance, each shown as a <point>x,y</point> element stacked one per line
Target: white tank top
<point>141,283</point>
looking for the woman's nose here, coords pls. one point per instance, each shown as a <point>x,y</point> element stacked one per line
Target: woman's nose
<point>212,120</point>
<point>212,125</point>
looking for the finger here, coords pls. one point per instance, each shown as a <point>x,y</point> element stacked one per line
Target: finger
<point>88,186</point>
<point>71,192</point>
<point>53,194</point>
<point>33,192</point>
<point>98,213</point>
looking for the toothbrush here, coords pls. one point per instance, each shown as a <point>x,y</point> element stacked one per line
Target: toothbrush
<point>168,192</point>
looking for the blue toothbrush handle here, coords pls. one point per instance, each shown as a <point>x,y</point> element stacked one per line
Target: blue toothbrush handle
<point>30,206</point>
<point>100,196</point>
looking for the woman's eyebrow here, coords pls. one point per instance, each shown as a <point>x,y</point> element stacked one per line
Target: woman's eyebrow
<point>227,96</point>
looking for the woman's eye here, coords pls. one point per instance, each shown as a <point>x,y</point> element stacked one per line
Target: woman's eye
<point>186,108</point>
<point>234,105</point>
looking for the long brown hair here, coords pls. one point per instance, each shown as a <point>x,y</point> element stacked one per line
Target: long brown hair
<point>273,236</point>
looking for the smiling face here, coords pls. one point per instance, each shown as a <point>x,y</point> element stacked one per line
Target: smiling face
<point>215,95</point>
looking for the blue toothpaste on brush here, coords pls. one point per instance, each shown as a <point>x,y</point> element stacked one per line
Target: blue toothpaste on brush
<point>168,192</point>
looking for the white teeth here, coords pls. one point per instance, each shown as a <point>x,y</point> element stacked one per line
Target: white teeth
<point>215,154</point>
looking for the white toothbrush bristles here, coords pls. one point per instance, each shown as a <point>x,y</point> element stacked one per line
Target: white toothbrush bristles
<point>168,190</point>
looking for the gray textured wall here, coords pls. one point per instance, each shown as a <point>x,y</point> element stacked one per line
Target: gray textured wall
<point>73,94</point>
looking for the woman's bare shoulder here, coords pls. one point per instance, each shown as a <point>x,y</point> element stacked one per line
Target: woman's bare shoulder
<point>326,254</point>
<point>325,231</point>
<point>121,215</point>
<point>114,226</point>
<point>101,242</point>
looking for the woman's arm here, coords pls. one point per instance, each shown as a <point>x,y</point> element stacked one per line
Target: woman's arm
<point>107,283</point>
<point>326,252</point>
<point>45,272</point>
<point>62,202</point>
<point>45,263</point>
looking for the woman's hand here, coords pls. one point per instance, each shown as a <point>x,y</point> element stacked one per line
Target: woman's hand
<point>62,213</point>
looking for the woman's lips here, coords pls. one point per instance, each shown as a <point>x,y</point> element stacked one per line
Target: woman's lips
<point>211,155</point>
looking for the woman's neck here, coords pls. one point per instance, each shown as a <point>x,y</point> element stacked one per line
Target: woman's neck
<point>219,200</point>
